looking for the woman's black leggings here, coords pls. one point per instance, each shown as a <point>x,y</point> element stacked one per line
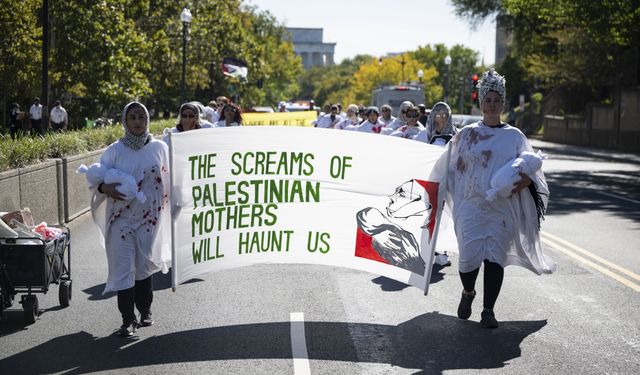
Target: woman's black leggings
<point>140,296</point>
<point>493,276</point>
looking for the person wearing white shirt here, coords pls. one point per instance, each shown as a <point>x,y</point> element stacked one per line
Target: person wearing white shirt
<point>399,121</point>
<point>231,116</point>
<point>331,119</point>
<point>373,123</point>
<point>58,119</point>
<point>386,117</point>
<point>412,127</point>
<point>351,120</point>
<point>35,114</point>
<point>211,112</point>
<point>439,128</point>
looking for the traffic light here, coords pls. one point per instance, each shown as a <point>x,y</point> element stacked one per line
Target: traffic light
<point>474,88</point>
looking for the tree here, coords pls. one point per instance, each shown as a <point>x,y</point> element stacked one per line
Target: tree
<point>99,57</point>
<point>463,66</point>
<point>20,52</point>
<point>580,45</point>
<point>389,71</point>
<point>105,53</point>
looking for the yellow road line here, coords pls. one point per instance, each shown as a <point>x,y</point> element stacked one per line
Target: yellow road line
<point>560,247</point>
<point>591,255</point>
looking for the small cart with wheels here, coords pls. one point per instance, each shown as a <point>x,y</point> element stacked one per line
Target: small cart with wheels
<point>30,265</point>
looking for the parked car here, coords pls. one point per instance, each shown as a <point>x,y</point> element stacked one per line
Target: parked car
<point>460,121</point>
<point>262,109</point>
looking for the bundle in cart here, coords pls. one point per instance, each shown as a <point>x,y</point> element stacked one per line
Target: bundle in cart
<point>32,261</point>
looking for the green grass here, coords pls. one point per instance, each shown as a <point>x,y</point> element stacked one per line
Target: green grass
<point>18,153</point>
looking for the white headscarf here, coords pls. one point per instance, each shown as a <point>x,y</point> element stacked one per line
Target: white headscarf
<point>431,120</point>
<point>131,140</point>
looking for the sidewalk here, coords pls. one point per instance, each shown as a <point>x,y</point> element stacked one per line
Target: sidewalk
<point>597,153</point>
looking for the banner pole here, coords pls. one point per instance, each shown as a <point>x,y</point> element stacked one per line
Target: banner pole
<point>442,187</point>
<point>174,275</point>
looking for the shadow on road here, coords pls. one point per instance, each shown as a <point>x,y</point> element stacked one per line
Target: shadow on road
<point>160,282</point>
<point>431,342</point>
<point>582,191</point>
<point>390,285</point>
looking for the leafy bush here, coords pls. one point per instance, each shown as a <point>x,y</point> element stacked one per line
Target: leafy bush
<point>18,153</point>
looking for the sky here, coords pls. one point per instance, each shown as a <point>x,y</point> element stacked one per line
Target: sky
<point>378,27</point>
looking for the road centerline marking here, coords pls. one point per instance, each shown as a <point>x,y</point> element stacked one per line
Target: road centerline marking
<point>560,247</point>
<point>299,345</point>
<point>591,255</point>
<point>618,197</point>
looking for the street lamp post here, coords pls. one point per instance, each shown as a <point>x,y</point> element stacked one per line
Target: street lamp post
<point>185,16</point>
<point>447,62</point>
<point>401,62</point>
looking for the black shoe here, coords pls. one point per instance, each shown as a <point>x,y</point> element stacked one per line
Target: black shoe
<point>488,319</point>
<point>146,320</point>
<point>128,329</point>
<point>464,308</point>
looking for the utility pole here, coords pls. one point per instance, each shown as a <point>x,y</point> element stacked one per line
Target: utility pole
<point>45,65</point>
<point>461,96</point>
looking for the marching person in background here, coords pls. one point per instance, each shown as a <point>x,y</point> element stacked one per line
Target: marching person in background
<point>136,234</point>
<point>412,127</point>
<point>399,121</point>
<point>231,116</point>
<point>325,109</point>
<point>211,112</point>
<point>188,119</point>
<point>35,116</point>
<point>330,119</point>
<point>439,128</point>
<point>423,114</point>
<point>372,124</point>
<point>501,232</point>
<point>58,119</point>
<point>386,118</point>
<point>221,101</point>
<point>362,113</point>
<point>282,107</point>
<point>351,119</point>
<point>15,120</point>
<point>204,123</point>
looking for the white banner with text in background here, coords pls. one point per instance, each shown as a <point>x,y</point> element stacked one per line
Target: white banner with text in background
<point>250,195</point>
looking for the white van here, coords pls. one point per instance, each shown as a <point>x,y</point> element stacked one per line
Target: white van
<point>395,95</point>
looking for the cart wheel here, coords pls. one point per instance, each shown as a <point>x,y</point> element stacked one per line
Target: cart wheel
<point>64,293</point>
<point>30,307</point>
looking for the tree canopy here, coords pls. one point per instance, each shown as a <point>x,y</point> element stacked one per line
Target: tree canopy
<point>105,53</point>
<point>576,44</point>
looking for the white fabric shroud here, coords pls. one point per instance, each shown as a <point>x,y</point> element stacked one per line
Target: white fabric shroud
<point>150,221</point>
<point>503,180</point>
<point>97,173</point>
<point>504,231</point>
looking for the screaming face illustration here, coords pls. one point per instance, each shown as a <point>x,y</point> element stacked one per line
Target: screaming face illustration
<point>392,234</point>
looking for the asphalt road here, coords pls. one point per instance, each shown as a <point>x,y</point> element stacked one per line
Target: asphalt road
<point>578,320</point>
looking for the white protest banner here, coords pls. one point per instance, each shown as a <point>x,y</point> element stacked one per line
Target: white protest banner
<point>249,195</point>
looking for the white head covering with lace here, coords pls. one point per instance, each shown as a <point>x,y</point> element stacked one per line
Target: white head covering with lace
<point>492,81</point>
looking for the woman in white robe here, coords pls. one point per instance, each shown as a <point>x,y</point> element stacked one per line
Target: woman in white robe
<point>439,128</point>
<point>412,126</point>
<point>137,235</point>
<point>188,119</point>
<point>501,232</point>
<point>231,116</point>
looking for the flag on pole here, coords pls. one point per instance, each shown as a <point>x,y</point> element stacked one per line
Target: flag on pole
<point>233,67</point>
